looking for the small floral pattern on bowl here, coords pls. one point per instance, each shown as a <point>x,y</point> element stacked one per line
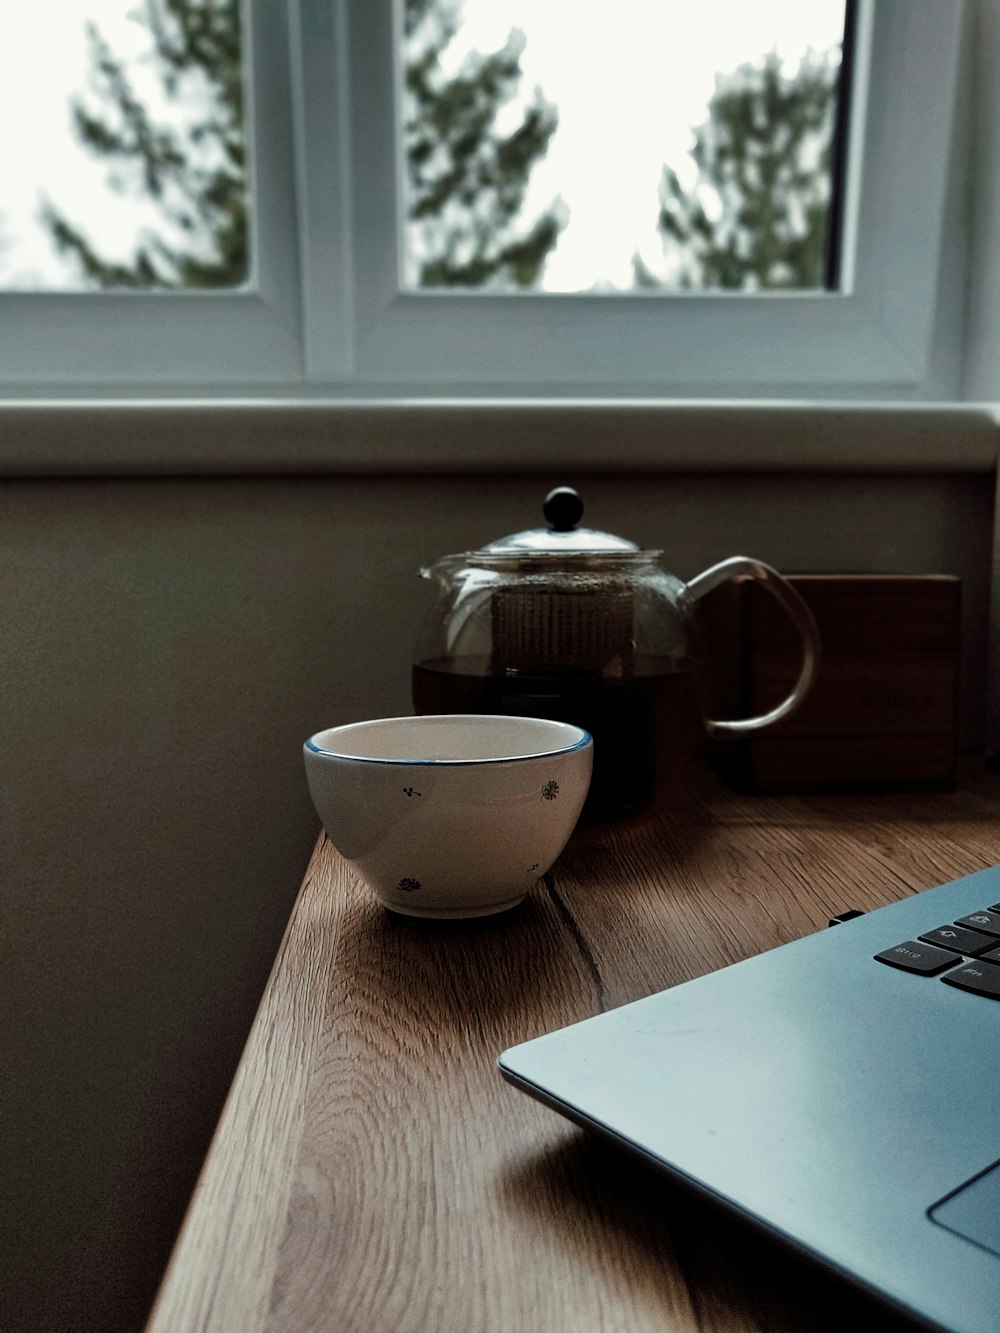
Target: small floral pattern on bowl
<point>550,791</point>
<point>408,885</point>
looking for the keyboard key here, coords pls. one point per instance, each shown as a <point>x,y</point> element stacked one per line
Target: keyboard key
<point>987,922</point>
<point>912,956</point>
<point>994,908</point>
<point>960,940</point>
<point>992,957</point>
<point>973,977</point>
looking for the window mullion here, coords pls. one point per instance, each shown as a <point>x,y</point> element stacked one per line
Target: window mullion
<point>322,113</point>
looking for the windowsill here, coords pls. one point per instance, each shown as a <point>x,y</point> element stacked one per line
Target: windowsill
<point>96,436</point>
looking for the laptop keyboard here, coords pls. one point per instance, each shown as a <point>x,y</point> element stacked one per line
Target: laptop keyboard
<point>963,953</point>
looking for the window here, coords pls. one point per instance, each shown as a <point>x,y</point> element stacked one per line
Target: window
<point>59,338</point>
<point>875,332</point>
<point>341,291</point>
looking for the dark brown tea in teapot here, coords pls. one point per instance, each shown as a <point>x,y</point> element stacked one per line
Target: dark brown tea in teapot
<point>646,728</point>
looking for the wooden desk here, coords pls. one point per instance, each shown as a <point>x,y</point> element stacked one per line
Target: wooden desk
<point>371,1170</point>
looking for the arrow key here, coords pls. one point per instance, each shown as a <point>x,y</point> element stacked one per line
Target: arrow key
<point>960,940</point>
<point>987,922</point>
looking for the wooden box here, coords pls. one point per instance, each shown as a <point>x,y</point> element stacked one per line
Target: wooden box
<point>883,709</point>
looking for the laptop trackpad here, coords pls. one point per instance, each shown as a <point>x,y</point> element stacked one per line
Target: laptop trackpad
<point>973,1210</point>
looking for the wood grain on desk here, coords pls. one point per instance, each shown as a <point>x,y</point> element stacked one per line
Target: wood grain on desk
<point>372,1172</point>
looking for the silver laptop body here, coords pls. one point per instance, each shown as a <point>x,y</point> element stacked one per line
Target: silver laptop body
<point>842,1103</point>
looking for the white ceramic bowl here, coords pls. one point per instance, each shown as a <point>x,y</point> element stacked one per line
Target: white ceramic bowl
<point>452,816</point>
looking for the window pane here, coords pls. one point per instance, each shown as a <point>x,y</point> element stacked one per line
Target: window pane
<point>122,145</point>
<point>640,145</point>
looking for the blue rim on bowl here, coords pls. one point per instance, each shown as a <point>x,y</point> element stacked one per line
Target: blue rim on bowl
<point>584,738</point>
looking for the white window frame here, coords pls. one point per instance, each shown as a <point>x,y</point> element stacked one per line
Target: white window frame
<point>326,316</point>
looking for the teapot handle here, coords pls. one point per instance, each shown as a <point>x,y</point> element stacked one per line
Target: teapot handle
<point>800,616</point>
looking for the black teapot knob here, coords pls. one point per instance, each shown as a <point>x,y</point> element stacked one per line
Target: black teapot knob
<point>563,509</point>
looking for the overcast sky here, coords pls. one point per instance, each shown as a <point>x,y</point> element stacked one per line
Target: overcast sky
<point>629,77</point>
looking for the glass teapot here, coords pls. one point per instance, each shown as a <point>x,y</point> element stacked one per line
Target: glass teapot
<point>581,626</point>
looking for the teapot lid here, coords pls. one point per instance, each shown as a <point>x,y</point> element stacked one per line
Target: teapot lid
<point>563,509</point>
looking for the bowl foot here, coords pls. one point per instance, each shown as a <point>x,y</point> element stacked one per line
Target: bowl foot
<point>456,913</point>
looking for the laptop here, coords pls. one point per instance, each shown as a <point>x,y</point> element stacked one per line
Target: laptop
<point>841,1091</point>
